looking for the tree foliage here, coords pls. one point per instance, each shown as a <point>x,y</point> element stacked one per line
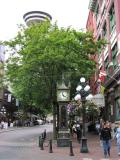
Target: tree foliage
<point>40,55</point>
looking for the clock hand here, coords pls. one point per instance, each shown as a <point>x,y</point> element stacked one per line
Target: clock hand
<point>63,95</point>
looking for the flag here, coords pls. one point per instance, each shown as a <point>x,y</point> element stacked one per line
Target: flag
<point>9,97</point>
<point>102,75</point>
<point>102,88</point>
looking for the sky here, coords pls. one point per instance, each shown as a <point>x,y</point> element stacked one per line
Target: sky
<point>72,13</point>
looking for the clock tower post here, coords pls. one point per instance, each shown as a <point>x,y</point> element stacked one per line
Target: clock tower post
<point>63,97</point>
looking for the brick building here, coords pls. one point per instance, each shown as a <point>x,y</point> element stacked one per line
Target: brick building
<point>104,21</point>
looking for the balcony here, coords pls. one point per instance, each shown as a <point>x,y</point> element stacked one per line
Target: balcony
<point>114,76</point>
<point>113,37</point>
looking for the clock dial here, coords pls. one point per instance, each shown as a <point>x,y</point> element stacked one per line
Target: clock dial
<point>63,96</point>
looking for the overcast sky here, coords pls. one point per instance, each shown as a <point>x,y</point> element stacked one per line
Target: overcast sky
<point>66,12</point>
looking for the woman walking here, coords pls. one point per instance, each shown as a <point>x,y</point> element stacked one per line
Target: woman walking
<point>105,136</point>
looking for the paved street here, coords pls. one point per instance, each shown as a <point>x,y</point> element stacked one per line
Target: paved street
<point>22,144</point>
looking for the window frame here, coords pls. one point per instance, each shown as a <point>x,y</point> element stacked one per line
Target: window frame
<point>105,29</point>
<point>114,55</point>
<point>112,17</point>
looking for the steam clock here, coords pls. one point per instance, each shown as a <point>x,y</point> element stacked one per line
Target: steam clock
<point>63,97</point>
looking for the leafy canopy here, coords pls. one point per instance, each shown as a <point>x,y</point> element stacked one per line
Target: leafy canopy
<point>39,56</point>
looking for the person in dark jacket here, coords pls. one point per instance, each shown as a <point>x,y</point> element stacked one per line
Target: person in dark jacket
<point>105,136</point>
<point>78,132</point>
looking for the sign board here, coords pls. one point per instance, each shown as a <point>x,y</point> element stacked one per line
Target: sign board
<point>99,100</point>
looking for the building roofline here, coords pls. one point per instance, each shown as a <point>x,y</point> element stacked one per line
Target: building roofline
<point>92,5</point>
<point>30,17</point>
<point>38,12</point>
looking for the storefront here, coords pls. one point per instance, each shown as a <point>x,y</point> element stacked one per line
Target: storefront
<point>117,103</point>
<point>112,103</point>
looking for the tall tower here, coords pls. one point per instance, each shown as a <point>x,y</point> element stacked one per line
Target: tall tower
<point>36,17</point>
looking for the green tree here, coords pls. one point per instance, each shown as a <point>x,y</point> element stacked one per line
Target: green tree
<point>40,55</point>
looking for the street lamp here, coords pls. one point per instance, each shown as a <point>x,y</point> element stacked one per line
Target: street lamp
<point>83,94</point>
<point>3,110</point>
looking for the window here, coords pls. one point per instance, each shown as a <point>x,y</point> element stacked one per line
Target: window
<point>106,63</point>
<point>114,53</point>
<point>112,17</point>
<point>104,10</point>
<point>117,105</point>
<point>105,30</point>
<point>97,11</point>
<point>106,67</point>
<point>98,25</point>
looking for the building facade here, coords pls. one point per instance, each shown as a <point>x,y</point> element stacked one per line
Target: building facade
<point>2,59</point>
<point>104,22</point>
<point>7,100</point>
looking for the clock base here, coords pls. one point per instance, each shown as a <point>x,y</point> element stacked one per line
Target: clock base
<point>63,139</point>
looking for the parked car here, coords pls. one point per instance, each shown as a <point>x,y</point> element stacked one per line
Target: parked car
<point>35,122</point>
<point>40,121</point>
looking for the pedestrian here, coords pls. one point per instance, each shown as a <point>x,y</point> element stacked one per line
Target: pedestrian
<point>105,136</point>
<point>78,132</point>
<point>2,124</point>
<point>74,130</point>
<point>44,134</point>
<point>97,127</point>
<point>117,135</point>
<point>109,124</point>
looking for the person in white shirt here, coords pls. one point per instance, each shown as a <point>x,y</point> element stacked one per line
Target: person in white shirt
<point>117,135</point>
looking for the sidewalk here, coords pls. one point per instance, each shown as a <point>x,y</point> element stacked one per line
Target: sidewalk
<point>8,129</point>
<point>11,129</point>
<point>63,153</point>
<point>95,150</point>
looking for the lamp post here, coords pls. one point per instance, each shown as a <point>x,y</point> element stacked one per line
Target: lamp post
<point>3,110</point>
<point>83,94</point>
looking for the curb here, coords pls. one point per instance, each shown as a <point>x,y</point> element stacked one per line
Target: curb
<point>12,129</point>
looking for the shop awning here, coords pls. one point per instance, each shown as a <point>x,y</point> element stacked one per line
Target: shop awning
<point>99,100</point>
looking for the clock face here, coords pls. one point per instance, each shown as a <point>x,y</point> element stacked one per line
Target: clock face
<point>63,95</point>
